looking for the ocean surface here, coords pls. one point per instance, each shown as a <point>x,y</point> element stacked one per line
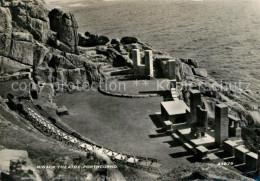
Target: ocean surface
<point>222,35</point>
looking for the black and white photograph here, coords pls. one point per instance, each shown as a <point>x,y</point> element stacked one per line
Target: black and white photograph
<point>129,90</point>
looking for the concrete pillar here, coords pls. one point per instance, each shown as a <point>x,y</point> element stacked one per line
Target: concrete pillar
<point>238,132</point>
<point>236,124</point>
<point>229,147</point>
<point>251,161</point>
<point>172,69</point>
<point>173,84</point>
<point>231,123</point>
<point>202,117</point>
<point>258,164</point>
<point>202,153</point>
<point>149,63</point>
<point>136,59</point>
<point>240,153</point>
<point>195,100</point>
<point>221,123</point>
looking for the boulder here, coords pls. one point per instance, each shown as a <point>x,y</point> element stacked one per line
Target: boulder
<point>128,40</point>
<point>200,72</point>
<point>62,111</point>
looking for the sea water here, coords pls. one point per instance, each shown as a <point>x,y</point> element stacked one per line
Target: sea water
<point>222,35</point>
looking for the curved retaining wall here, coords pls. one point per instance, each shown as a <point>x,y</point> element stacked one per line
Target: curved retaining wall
<point>126,95</point>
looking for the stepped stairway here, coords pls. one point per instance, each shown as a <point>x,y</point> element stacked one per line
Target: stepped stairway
<point>114,72</point>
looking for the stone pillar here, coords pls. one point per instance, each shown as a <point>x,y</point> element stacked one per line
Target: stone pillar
<point>195,100</point>
<point>149,63</point>
<point>136,59</point>
<point>171,69</point>
<point>221,123</point>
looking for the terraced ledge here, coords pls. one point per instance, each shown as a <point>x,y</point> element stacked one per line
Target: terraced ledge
<point>15,76</point>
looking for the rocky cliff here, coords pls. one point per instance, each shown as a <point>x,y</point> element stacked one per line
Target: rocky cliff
<point>47,43</point>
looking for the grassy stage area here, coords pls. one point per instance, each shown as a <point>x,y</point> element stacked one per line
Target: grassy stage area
<point>123,124</point>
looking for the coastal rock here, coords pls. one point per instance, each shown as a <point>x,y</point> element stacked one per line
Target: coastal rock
<point>22,51</point>
<point>90,40</point>
<point>92,73</point>
<point>43,74</point>
<point>58,61</point>
<point>40,53</point>
<point>255,116</point>
<point>66,27</point>
<point>31,16</point>
<point>5,21</point>
<point>76,60</point>
<point>9,66</point>
<point>120,48</point>
<point>67,32</point>
<point>130,47</point>
<point>183,71</point>
<point>71,76</point>
<point>55,19</point>
<point>115,41</point>
<point>202,171</point>
<point>190,62</point>
<point>117,59</point>
<point>5,31</point>
<point>128,40</point>
<point>21,36</point>
<point>200,72</point>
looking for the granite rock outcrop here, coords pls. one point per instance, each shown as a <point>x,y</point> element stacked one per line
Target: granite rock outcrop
<point>31,37</point>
